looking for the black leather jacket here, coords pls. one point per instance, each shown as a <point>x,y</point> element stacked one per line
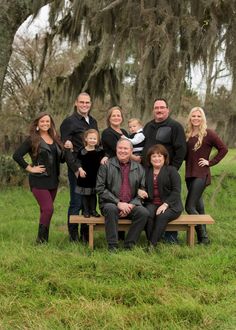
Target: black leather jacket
<point>109,182</point>
<point>44,157</point>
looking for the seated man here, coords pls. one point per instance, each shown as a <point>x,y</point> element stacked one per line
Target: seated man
<point>117,186</point>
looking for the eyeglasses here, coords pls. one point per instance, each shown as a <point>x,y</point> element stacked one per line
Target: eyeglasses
<point>161,108</point>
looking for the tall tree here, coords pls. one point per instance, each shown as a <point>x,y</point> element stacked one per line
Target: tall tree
<point>12,14</point>
<point>161,38</point>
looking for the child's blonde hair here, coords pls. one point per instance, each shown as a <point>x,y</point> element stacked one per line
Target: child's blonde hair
<point>202,129</point>
<point>135,119</point>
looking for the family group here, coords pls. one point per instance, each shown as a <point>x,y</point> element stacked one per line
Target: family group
<point>134,174</point>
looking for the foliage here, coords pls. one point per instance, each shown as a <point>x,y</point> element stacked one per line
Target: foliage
<point>162,39</point>
<point>66,286</point>
<point>10,173</point>
<point>153,43</point>
<point>218,104</point>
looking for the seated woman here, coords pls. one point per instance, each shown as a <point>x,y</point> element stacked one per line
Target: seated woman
<point>163,193</point>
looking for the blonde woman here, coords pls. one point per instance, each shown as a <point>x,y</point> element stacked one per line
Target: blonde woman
<point>200,141</point>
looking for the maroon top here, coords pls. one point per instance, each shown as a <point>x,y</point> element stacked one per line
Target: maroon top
<point>156,194</point>
<point>193,170</point>
<point>125,189</point>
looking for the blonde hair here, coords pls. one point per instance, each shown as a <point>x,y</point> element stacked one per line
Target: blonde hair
<point>202,128</point>
<point>135,119</point>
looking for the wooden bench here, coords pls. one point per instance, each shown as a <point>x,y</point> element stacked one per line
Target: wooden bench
<point>185,222</point>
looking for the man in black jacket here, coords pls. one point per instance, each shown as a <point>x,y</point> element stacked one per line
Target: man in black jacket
<point>170,133</point>
<point>72,129</point>
<point>117,186</point>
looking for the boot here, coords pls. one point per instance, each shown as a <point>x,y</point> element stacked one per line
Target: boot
<point>86,209</point>
<point>84,233</point>
<point>121,235</point>
<point>202,234</point>
<point>73,232</point>
<point>93,205</point>
<point>43,232</point>
<point>46,233</point>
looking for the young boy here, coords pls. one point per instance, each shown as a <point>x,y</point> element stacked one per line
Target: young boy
<point>136,135</point>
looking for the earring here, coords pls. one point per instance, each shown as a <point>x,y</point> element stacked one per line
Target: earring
<point>37,128</point>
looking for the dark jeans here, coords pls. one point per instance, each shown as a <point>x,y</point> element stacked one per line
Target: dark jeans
<point>138,215</point>
<point>74,206</point>
<point>157,224</point>
<point>45,199</point>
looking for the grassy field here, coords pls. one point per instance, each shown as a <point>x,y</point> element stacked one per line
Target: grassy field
<point>65,286</point>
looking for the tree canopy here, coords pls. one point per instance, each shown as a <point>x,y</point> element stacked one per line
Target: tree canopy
<point>154,43</point>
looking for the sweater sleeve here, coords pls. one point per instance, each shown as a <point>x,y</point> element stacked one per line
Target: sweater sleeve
<point>138,138</point>
<point>219,145</point>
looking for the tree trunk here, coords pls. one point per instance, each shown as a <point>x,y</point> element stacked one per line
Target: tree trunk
<point>12,14</point>
<point>230,136</point>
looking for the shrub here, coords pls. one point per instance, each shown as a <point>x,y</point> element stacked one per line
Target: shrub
<point>10,173</point>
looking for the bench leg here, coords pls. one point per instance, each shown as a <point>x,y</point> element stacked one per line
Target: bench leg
<point>190,235</point>
<point>91,236</point>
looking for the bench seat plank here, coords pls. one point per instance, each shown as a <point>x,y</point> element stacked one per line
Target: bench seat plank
<point>185,222</point>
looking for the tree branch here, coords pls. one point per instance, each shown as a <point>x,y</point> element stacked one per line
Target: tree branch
<point>111,5</point>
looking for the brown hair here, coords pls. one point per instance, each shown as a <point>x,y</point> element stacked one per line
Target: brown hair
<point>91,131</point>
<point>35,135</point>
<point>109,113</point>
<point>157,149</point>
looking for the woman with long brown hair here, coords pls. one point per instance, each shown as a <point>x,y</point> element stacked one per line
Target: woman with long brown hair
<point>46,151</point>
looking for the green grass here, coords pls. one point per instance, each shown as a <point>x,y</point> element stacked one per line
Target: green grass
<point>66,286</point>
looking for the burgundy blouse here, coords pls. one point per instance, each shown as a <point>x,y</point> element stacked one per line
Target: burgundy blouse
<point>156,195</point>
<point>192,158</point>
